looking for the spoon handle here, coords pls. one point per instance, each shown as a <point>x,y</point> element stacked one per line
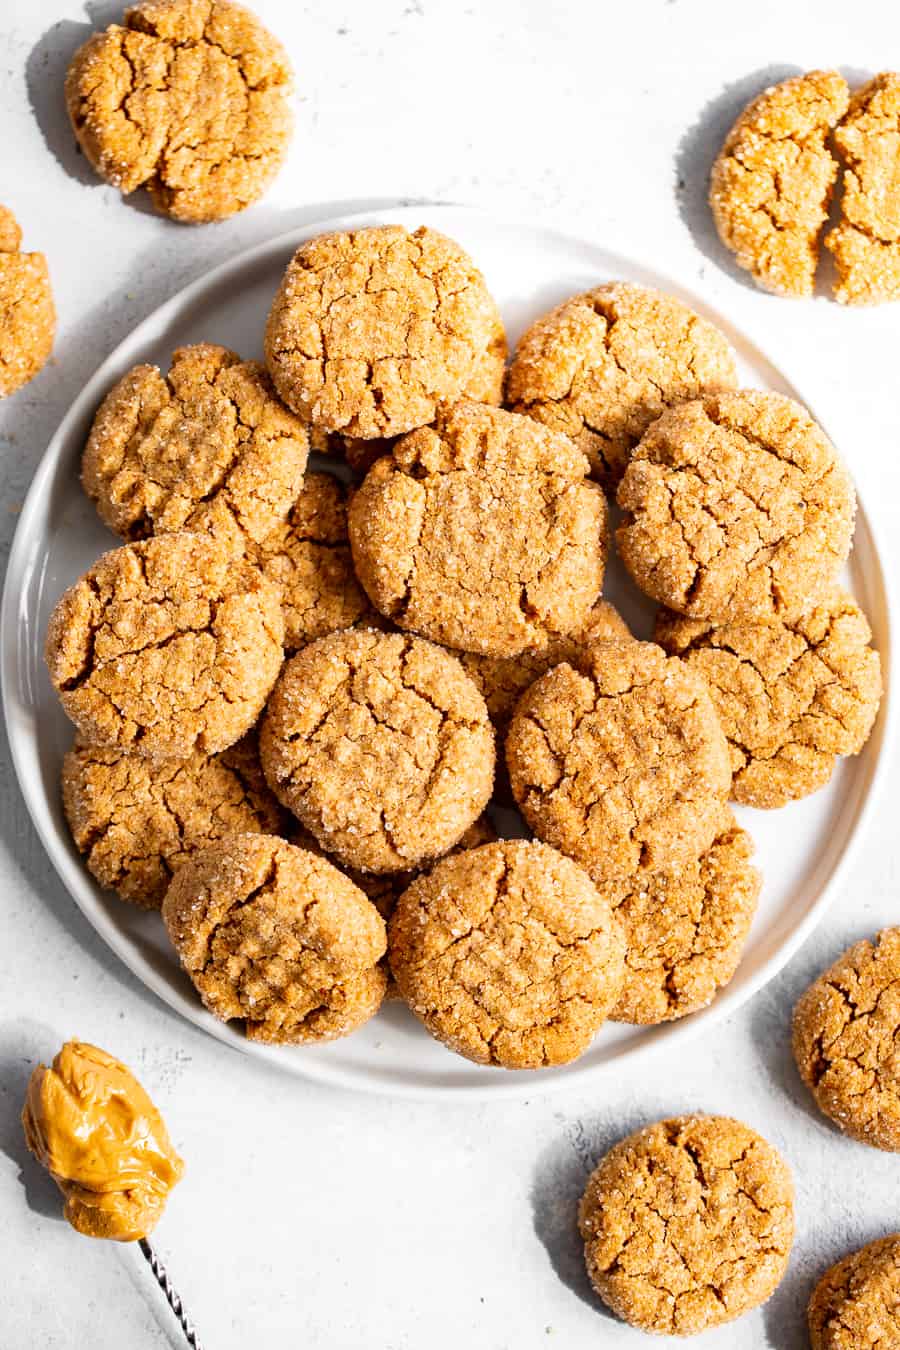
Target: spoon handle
<point>173,1297</point>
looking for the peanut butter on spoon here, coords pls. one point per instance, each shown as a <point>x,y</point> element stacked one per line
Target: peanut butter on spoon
<point>91,1124</point>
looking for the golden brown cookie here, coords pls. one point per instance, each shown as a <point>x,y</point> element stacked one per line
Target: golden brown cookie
<point>622,764</point>
<point>688,1224</point>
<point>136,820</point>
<point>481,532</point>
<point>772,182</point>
<point>503,679</point>
<point>167,647</point>
<point>277,936</point>
<point>684,930</point>
<point>601,367</point>
<point>381,746</point>
<point>373,328</point>
<point>308,558</point>
<point>508,955</point>
<point>736,506</point>
<point>791,697</point>
<point>866,240</point>
<point>187,98</point>
<point>27,312</point>
<point>206,447</point>
<point>847,1041</point>
<point>856,1304</point>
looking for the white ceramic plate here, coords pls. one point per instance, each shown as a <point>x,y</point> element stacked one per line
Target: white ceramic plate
<point>802,849</point>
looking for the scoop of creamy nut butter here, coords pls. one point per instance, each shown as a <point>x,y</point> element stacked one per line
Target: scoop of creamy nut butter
<point>91,1124</point>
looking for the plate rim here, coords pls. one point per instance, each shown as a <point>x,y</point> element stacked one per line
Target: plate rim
<point>320,1070</point>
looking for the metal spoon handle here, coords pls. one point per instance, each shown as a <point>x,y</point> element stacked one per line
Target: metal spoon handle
<point>173,1298</point>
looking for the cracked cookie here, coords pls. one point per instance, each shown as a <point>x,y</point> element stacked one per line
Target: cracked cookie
<point>206,447</point>
<point>621,764</point>
<point>166,647</point>
<point>791,697</point>
<point>866,241</point>
<point>688,1224</point>
<point>277,937</point>
<point>737,506</point>
<point>372,329</point>
<point>381,746</point>
<point>772,183</point>
<point>856,1304</point>
<point>684,930</point>
<point>187,98</point>
<point>601,367</point>
<point>27,312</point>
<point>481,532</point>
<point>847,1041</point>
<point>308,558</point>
<point>508,954</point>
<point>137,820</point>
<point>503,679</point>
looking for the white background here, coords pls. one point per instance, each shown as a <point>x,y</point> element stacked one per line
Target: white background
<point>319,1219</point>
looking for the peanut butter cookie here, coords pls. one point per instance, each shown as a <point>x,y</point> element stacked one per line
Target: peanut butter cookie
<point>737,507</point>
<point>508,955</point>
<point>791,697</point>
<point>866,241</point>
<point>381,746</point>
<point>187,98</point>
<point>772,182</point>
<point>167,647</point>
<point>27,312</point>
<point>503,679</point>
<point>206,447</point>
<point>684,930</point>
<point>856,1304</point>
<point>601,367</point>
<point>847,1041</point>
<point>278,937</point>
<point>622,764</point>
<point>373,328</point>
<point>481,532</point>
<point>308,558</point>
<point>688,1224</point>
<point>136,820</point>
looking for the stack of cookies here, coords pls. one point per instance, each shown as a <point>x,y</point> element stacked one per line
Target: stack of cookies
<point>314,829</point>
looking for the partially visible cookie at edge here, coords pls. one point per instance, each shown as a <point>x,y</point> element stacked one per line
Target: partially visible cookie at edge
<point>602,366</point>
<point>856,1303</point>
<point>772,182</point>
<point>846,1034</point>
<point>27,311</point>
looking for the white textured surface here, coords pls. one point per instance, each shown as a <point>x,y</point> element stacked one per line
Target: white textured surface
<point>322,1219</point>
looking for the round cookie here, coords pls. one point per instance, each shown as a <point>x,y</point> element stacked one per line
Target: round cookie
<point>136,820</point>
<point>791,697</point>
<point>503,679</point>
<point>167,647</point>
<point>622,764</point>
<point>846,1039</point>
<point>187,98</point>
<point>372,329</point>
<point>601,367</point>
<point>771,185</point>
<point>277,936</point>
<point>687,1224</point>
<point>856,1304</point>
<point>308,558</point>
<point>685,930</point>
<point>866,241</point>
<point>736,506</point>
<point>206,447</point>
<point>27,312</point>
<point>508,954</point>
<point>381,746</point>
<point>481,532</point>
